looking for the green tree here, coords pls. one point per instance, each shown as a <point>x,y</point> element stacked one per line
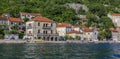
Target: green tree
<point>1,32</point>
<point>101,35</point>
<point>78,38</point>
<point>25,19</point>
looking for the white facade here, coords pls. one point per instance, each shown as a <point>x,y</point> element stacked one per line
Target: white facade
<point>75,34</point>
<point>62,31</point>
<point>78,29</point>
<point>22,16</point>
<point>115,19</point>
<point>88,35</point>
<point>95,35</point>
<point>11,37</point>
<point>43,28</point>
<point>28,15</point>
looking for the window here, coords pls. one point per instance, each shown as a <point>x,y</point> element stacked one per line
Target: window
<point>51,31</point>
<point>44,25</point>
<point>11,22</point>
<point>29,24</point>
<point>38,31</point>
<point>23,15</point>
<point>38,24</point>
<point>43,32</point>
<point>19,23</point>
<point>39,37</point>
<point>95,33</point>
<point>51,38</point>
<point>46,32</point>
<point>30,32</point>
<point>28,15</point>
<point>56,39</point>
<point>51,24</point>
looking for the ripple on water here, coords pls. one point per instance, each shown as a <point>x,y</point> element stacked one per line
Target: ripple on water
<point>60,51</point>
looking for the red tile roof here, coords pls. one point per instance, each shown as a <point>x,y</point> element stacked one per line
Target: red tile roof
<point>41,19</point>
<point>88,30</point>
<point>74,32</point>
<point>111,29</point>
<point>114,30</point>
<point>63,25</point>
<point>21,31</point>
<point>115,14</point>
<point>14,19</point>
<point>80,27</point>
<point>34,14</point>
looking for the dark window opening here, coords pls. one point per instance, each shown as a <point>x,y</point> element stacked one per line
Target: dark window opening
<point>38,31</point>
<point>38,24</point>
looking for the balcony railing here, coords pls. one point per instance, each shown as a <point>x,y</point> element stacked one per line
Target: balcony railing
<point>29,27</point>
<point>47,34</point>
<point>48,27</point>
<point>29,34</point>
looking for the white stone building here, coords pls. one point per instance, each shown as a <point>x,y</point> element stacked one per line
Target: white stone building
<point>115,34</point>
<point>63,28</point>
<point>28,15</point>
<point>91,34</point>
<point>11,37</point>
<point>41,28</point>
<point>8,22</point>
<point>75,33</point>
<point>115,19</point>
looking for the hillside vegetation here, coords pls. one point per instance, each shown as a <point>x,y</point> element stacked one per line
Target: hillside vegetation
<point>59,11</point>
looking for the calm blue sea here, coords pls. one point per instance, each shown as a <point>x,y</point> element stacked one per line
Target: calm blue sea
<point>60,51</point>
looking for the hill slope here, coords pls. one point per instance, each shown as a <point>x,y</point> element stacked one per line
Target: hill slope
<point>59,11</point>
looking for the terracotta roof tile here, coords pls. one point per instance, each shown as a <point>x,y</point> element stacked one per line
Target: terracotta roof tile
<point>88,30</point>
<point>80,27</point>
<point>63,25</point>
<point>14,19</point>
<point>21,31</point>
<point>111,29</point>
<point>41,19</point>
<point>115,14</point>
<point>74,32</point>
<point>114,30</point>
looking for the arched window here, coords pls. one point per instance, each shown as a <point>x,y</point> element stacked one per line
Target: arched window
<point>51,38</point>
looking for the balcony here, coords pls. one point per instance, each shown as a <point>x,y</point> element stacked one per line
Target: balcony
<point>29,34</point>
<point>47,34</point>
<point>48,27</point>
<point>29,27</point>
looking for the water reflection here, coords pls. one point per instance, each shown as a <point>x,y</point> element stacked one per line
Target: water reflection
<point>59,51</point>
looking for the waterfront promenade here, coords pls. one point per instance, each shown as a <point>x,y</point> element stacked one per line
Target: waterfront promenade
<point>67,41</point>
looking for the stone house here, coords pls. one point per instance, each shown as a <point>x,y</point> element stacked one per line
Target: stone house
<point>115,19</point>
<point>91,34</point>
<point>11,37</point>
<point>75,33</point>
<point>63,28</point>
<point>7,21</point>
<point>28,15</point>
<point>115,34</point>
<point>41,28</point>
